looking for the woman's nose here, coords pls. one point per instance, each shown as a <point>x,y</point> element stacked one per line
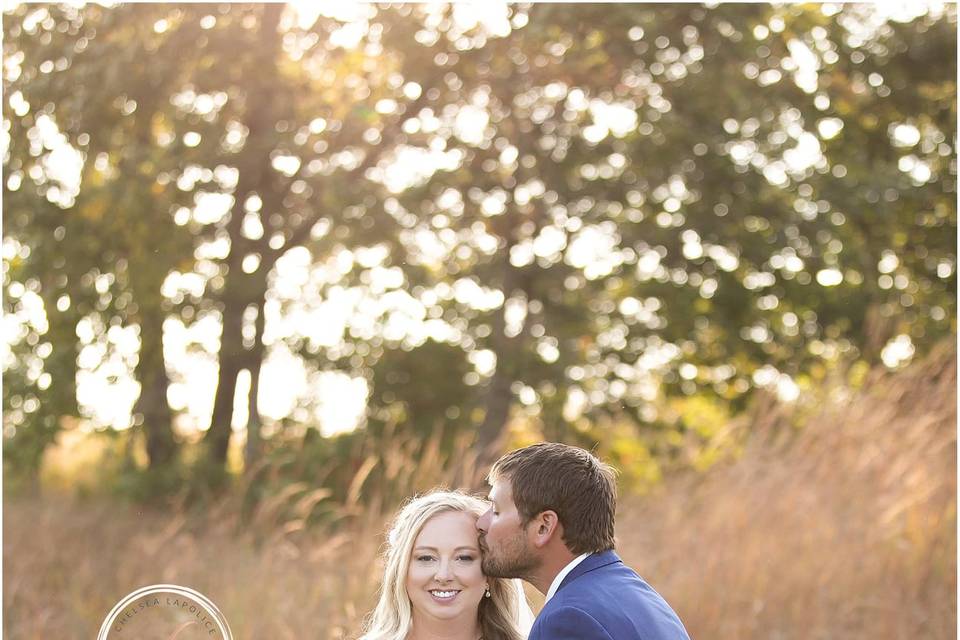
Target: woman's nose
<point>443,571</point>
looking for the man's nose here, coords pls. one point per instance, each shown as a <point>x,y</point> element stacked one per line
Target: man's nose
<point>483,521</point>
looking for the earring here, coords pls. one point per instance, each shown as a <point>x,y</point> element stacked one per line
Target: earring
<point>487,592</point>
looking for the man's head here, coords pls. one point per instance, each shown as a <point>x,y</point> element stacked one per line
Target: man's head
<point>542,490</point>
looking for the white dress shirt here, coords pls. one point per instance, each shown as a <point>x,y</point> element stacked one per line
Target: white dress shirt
<point>563,574</point>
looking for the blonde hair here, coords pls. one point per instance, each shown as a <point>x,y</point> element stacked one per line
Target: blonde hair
<point>505,615</point>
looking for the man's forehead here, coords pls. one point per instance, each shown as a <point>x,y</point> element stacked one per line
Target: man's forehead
<point>501,491</point>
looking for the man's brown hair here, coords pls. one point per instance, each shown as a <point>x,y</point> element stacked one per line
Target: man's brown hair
<point>550,476</point>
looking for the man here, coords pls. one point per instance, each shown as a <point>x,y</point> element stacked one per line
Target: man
<point>551,523</point>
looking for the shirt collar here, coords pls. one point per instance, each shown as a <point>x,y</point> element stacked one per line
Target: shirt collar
<point>563,574</point>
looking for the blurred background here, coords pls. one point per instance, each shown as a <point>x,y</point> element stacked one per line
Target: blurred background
<point>270,269</point>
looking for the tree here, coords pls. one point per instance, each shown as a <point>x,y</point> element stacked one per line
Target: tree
<point>582,216</point>
<point>99,250</point>
<point>719,208</point>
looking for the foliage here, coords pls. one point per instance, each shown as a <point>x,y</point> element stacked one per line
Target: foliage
<point>604,224</point>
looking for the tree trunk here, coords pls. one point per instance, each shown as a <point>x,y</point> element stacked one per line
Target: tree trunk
<point>497,411</point>
<point>509,350</point>
<point>241,290</point>
<point>231,360</point>
<point>152,404</point>
<point>498,396</point>
<point>146,283</point>
<point>253,448</point>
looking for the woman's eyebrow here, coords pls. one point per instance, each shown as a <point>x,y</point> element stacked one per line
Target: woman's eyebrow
<point>461,547</point>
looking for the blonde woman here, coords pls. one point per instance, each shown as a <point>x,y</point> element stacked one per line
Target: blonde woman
<point>433,585</point>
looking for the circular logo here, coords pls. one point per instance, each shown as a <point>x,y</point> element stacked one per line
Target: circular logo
<point>165,612</point>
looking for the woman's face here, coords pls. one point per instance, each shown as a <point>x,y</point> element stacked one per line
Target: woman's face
<point>444,580</point>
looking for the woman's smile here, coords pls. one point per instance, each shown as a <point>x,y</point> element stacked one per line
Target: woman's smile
<point>444,596</point>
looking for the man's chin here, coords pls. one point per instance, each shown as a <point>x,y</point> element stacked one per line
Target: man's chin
<point>491,570</point>
<point>495,570</point>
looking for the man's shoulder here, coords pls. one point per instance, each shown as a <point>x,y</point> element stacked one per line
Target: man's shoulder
<point>604,568</point>
<point>562,622</point>
<point>592,584</point>
<point>619,601</point>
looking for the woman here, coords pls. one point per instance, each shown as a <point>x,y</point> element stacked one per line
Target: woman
<point>432,583</point>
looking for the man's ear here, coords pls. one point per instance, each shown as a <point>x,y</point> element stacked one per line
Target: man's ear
<point>544,527</point>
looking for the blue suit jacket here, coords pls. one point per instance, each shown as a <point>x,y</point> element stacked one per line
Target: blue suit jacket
<point>603,599</point>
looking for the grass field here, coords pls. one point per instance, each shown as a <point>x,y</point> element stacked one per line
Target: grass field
<point>845,528</point>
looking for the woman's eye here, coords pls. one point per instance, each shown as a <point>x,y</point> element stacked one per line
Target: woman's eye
<point>465,558</point>
<point>424,558</point>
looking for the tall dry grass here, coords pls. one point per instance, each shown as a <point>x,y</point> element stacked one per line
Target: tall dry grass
<point>844,529</point>
<point>67,563</point>
<point>301,562</point>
